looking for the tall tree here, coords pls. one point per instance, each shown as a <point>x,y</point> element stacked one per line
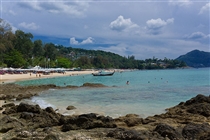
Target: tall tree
<point>50,51</point>
<point>63,62</point>
<point>23,43</point>
<point>38,48</point>
<point>6,38</point>
<point>15,59</point>
<point>83,62</point>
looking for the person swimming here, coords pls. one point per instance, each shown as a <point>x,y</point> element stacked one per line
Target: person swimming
<point>127,82</point>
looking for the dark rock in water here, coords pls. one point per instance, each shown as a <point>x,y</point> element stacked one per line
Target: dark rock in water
<point>70,107</point>
<point>8,105</point>
<point>167,131</point>
<point>23,107</point>
<point>8,123</point>
<point>90,116</point>
<point>93,85</point>
<point>86,121</point>
<point>195,131</point>
<point>50,110</point>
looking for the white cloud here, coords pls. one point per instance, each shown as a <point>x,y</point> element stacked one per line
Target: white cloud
<point>12,12</point>
<point>158,23</point>
<point>121,49</point>
<point>180,2</point>
<point>73,41</point>
<point>172,48</point>
<point>197,35</point>
<point>205,8</point>
<point>121,24</point>
<point>31,26</point>
<point>154,25</point>
<point>76,8</point>
<point>89,40</point>
<point>34,5</point>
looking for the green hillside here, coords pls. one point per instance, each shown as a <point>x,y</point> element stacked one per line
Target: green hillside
<point>196,59</point>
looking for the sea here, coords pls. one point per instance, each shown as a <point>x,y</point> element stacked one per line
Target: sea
<point>149,92</point>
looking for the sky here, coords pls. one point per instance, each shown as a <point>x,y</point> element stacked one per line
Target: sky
<point>142,28</point>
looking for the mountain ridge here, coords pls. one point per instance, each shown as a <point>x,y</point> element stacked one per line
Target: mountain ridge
<point>196,59</point>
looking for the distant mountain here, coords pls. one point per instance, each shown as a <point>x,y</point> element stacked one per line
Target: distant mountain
<point>196,59</point>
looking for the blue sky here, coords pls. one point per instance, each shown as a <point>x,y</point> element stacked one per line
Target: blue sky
<point>143,28</point>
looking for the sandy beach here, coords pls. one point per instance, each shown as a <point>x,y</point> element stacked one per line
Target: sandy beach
<point>10,78</point>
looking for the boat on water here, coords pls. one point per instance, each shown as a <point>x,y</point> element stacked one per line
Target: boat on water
<point>103,74</point>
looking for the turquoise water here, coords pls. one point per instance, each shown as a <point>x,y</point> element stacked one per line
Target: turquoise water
<point>149,92</point>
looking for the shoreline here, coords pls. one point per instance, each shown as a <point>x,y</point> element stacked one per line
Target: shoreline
<point>11,78</point>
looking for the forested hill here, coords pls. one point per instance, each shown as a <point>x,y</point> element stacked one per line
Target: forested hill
<point>196,59</point>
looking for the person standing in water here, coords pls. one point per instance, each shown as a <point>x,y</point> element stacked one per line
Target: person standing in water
<point>127,82</point>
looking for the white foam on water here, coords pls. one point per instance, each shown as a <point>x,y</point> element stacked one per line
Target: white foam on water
<point>42,103</point>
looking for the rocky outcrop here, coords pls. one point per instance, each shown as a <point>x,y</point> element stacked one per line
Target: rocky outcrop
<point>13,91</point>
<point>33,117</point>
<point>8,105</point>
<point>8,123</point>
<point>130,120</point>
<point>87,121</point>
<point>167,131</point>
<point>93,85</point>
<point>195,131</point>
<point>125,134</point>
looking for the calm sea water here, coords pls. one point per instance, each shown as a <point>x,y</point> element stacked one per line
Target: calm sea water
<point>149,92</point>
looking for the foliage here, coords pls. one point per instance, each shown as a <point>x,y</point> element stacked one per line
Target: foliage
<point>15,59</point>
<point>18,50</point>
<point>62,62</point>
<point>38,49</point>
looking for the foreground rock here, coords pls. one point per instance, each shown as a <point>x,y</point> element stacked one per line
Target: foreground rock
<point>24,117</point>
<point>188,120</point>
